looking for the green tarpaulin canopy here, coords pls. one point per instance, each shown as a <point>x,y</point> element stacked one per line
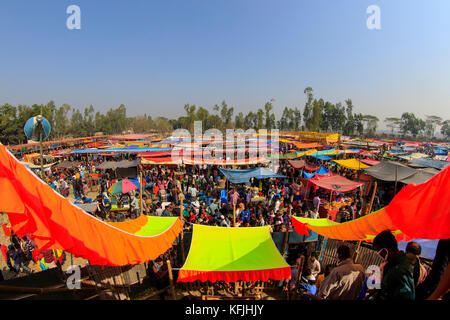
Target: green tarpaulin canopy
<point>233,254</point>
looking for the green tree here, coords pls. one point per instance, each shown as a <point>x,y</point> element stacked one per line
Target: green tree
<point>393,123</point>
<point>412,124</point>
<point>371,123</point>
<point>445,129</point>
<point>270,117</point>
<point>431,123</point>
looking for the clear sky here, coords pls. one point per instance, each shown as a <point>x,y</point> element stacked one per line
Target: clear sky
<point>155,56</point>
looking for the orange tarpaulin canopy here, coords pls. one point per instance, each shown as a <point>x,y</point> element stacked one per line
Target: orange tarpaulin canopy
<point>418,211</point>
<point>300,145</point>
<point>35,208</point>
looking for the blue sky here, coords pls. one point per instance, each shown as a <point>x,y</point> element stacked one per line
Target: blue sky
<point>155,56</point>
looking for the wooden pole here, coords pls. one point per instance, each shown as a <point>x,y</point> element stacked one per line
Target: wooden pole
<point>234,215</point>
<point>396,174</point>
<point>141,183</point>
<point>172,288</point>
<point>182,224</point>
<point>357,251</point>
<point>373,197</point>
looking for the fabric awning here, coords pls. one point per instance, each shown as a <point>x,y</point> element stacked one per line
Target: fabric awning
<point>430,163</point>
<point>297,164</point>
<point>390,171</point>
<point>334,182</point>
<point>233,254</point>
<point>419,177</point>
<point>370,162</point>
<point>117,164</point>
<point>244,176</point>
<point>35,208</point>
<point>416,212</point>
<point>353,164</point>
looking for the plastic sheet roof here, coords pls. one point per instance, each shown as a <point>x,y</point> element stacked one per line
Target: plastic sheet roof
<point>233,254</point>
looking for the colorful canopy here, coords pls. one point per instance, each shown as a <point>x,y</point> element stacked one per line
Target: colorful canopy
<point>233,254</point>
<point>416,212</point>
<point>321,171</point>
<point>334,182</point>
<point>300,145</point>
<point>124,186</point>
<point>35,208</point>
<point>297,164</point>
<point>244,176</point>
<point>353,164</point>
<point>320,156</point>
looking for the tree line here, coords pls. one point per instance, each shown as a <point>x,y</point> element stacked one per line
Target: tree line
<point>318,115</point>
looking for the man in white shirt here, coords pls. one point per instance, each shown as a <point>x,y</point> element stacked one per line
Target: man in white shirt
<point>193,192</point>
<point>314,266</point>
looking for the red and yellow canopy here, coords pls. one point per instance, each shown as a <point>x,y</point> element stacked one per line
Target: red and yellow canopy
<point>417,212</point>
<point>35,208</point>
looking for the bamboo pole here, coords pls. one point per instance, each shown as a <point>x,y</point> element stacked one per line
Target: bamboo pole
<point>182,226</point>
<point>395,186</point>
<point>234,215</point>
<point>373,197</point>
<point>172,288</point>
<point>141,202</point>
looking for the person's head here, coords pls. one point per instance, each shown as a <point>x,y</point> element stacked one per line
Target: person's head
<point>313,256</point>
<point>414,248</point>
<point>385,244</point>
<point>343,252</point>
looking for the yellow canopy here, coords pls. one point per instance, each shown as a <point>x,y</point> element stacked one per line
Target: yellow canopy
<point>353,164</point>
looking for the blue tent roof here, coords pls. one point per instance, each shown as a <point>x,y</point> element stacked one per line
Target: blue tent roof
<point>243,176</point>
<point>431,163</point>
<point>321,171</point>
<point>440,151</point>
<point>320,157</point>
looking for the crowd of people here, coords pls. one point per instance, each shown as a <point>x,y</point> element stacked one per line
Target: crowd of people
<point>402,275</point>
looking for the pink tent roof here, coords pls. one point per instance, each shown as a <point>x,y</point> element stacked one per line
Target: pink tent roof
<point>370,162</point>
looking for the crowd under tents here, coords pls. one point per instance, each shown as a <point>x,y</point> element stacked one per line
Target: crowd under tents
<point>416,212</point>
<point>233,254</point>
<point>243,176</point>
<point>35,208</point>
